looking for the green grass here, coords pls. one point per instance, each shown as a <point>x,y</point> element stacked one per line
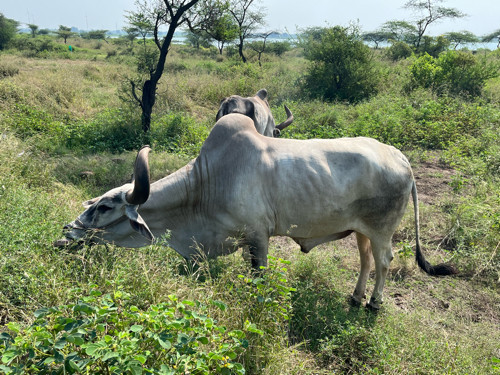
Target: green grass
<point>66,137</point>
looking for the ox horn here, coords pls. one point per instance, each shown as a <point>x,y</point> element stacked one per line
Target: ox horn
<point>288,121</point>
<point>140,193</point>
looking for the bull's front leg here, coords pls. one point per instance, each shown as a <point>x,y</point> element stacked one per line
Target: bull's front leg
<point>258,252</point>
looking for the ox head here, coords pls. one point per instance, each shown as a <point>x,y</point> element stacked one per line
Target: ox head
<point>113,217</point>
<point>257,108</point>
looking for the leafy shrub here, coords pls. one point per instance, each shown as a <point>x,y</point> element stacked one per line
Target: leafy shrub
<point>106,334</point>
<point>342,67</point>
<point>398,51</point>
<point>265,299</point>
<point>37,47</point>
<point>279,48</point>
<point>453,72</point>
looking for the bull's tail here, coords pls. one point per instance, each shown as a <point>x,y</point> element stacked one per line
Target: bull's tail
<point>439,269</point>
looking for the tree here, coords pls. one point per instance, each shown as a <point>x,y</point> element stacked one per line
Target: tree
<point>131,33</point>
<point>461,37</point>
<point>247,20</point>
<point>221,29</point>
<point>428,13</point>
<point>259,46</point>
<point>97,35</point>
<point>400,31</point>
<point>34,29</point>
<point>197,39</point>
<point>341,65</point>
<point>171,13</point>
<point>140,24</point>
<point>376,37</point>
<point>8,29</point>
<point>64,32</point>
<point>491,37</point>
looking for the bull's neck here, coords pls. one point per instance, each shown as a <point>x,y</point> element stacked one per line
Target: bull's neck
<point>172,191</point>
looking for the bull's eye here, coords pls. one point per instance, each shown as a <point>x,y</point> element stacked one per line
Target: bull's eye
<point>103,208</point>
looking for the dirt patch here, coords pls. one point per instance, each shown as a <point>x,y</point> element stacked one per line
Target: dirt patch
<point>433,180</point>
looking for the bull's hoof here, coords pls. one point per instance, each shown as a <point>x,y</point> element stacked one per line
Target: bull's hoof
<point>373,306</point>
<point>354,302</point>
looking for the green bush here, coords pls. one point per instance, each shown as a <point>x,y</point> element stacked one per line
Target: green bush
<point>341,66</point>
<point>106,334</point>
<point>398,51</point>
<point>453,72</point>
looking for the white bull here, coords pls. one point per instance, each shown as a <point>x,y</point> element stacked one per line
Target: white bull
<point>244,188</point>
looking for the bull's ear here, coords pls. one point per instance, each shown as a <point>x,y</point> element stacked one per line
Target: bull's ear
<point>262,94</point>
<point>89,203</point>
<point>137,222</point>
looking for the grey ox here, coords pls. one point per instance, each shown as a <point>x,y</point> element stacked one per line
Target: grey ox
<point>257,108</point>
<point>244,188</point>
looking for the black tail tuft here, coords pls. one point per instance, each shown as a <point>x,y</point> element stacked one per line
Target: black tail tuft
<point>442,269</point>
<point>439,269</point>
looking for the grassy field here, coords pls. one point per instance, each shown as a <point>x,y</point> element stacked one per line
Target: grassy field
<point>69,134</point>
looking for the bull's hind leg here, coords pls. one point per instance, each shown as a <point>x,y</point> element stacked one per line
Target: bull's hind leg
<point>382,253</point>
<point>365,255</point>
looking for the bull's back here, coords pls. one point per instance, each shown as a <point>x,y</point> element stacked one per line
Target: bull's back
<point>333,183</point>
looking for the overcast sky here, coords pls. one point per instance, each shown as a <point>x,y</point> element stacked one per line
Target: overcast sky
<point>282,15</point>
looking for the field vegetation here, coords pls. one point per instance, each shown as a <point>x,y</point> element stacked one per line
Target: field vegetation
<point>69,131</point>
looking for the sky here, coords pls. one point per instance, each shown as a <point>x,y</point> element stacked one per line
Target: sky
<point>281,15</point>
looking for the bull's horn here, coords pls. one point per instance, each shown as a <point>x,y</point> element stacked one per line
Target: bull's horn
<point>288,121</point>
<point>140,193</point>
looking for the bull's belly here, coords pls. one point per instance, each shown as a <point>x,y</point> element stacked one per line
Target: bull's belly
<point>313,228</point>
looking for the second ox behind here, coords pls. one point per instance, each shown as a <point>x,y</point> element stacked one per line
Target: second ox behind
<point>249,187</point>
<point>257,108</point>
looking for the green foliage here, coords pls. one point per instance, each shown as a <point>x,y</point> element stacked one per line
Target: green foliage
<point>433,45</point>
<point>8,29</point>
<point>265,299</point>
<point>398,51</point>
<point>279,48</point>
<point>106,334</point>
<point>341,68</point>
<point>453,72</point>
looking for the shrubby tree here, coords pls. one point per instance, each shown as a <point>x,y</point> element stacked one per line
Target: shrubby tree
<point>259,46</point>
<point>97,35</point>
<point>34,29</point>
<point>341,65</point>
<point>461,37</point>
<point>248,18</point>
<point>8,29</point>
<point>197,39</point>
<point>376,37</point>
<point>64,32</point>
<point>429,12</point>
<point>279,47</point>
<point>494,36</point>
<point>218,25</point>
<point>131,34</point>
<point>400,31</point>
